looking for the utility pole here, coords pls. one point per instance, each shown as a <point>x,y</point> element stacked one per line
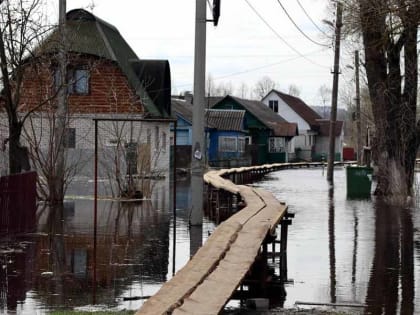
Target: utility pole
<point>198,149</point>
<point>336,72</point>
<point>358,116</point>
<point>57,186</point>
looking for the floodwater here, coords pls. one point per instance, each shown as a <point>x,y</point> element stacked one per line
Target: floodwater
<point>340,251</point>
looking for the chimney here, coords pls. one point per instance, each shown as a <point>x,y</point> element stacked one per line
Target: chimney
<point>188,96</point>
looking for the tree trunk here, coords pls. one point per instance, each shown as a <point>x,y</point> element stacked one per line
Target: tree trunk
<point>14,148</point>
<point>394,109</point>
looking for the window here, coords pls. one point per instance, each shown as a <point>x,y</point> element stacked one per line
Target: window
<point>227,144</point>
<point>156,137</point>
<point>148,136</point>
<point>131,157</point>
<point>77,80</point>
<point>69,139</point>
<point>163,141</point>
<point>241,144</point>
<point>276,145</point>
<point>274,105</point>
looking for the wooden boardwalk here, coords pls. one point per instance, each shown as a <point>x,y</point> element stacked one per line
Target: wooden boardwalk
<point>206,283</point>
<point>225,258</point>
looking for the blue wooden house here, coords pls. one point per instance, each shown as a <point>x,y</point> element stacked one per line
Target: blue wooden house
<point>226,136</point>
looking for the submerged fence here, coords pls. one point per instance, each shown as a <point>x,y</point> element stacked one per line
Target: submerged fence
<point>18,203</point>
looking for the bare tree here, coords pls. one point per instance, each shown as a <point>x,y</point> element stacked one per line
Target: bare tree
<point>218,89</point>
<point>243,90</point>
<point>390,34</point>
<point>22,28</point>
<point>263,86</point>
<point>294,90</point>
<point>325,95</point>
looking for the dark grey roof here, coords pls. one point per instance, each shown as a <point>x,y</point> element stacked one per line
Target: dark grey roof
<point>270,119</point>
<point>225,119</point>
<point>221,119</point>
<point>88,34</point>
<point>181,108</point>
<point>155,75</point>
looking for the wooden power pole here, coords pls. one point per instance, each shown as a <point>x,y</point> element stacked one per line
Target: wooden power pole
<point>336,72</point>
<point>358,116</point>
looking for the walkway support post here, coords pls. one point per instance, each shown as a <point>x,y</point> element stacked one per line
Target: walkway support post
<point>198,149</point>
<point>336,72</point>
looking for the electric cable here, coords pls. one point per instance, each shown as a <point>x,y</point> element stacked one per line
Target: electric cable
<point>282,39</point>
<point>309,17</point>
<point>297,26</point>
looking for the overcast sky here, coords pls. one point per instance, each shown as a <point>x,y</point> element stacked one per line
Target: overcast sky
<point>241,49</point>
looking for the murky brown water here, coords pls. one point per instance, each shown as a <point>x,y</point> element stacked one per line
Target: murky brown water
<point>339,250</point>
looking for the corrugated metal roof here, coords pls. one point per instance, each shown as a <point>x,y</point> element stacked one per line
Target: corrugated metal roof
<point>182,109</point>
<point>225,119</point>
<point>271,120</point>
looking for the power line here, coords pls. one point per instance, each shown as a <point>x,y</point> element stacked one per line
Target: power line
<point>265,66</point>
<point>309,17</point>
<point>281,38</point>
<point>251,70</point>
<point>297,26</point>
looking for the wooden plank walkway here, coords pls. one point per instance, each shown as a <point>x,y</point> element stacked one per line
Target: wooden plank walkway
<point>225,258</point>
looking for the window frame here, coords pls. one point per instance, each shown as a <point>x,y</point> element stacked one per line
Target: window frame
<point>228,147</point>
<point>276,145</point>
<point>274,105</point>
<point>72,82</point>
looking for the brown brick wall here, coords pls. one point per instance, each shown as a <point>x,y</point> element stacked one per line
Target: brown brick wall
<point>109,91</point>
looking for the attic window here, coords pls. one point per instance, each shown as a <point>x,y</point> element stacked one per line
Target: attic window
<point>274,105</point>
<point>77,80</point>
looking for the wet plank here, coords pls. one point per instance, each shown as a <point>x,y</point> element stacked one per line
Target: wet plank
<point>223,261</point>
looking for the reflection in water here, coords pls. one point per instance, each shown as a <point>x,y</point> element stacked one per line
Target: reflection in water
<point>339,250</point>
<point>196,238</point>
<point>55,263</point>
<point>331,242</point>
<point>393,262</point>
<point>348,251</point>
<point>354,258</point>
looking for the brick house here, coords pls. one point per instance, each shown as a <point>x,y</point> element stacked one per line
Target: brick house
<point>106,80</point>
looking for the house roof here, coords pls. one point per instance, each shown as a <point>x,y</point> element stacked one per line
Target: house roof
<point>225,119</point>
<point>324,127</point>
<point>299,106</point>
<point>271,120</point>
<point>88,34</point>
<point>181,108</point>
<point>221,119</point>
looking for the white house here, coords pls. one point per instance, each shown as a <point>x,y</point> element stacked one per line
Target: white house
<point>312,142</point>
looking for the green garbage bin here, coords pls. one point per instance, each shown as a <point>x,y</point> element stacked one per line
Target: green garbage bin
<point>359,181</point>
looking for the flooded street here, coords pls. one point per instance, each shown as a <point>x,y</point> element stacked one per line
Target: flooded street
<point>342,251</point>
<point>361,252</point>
